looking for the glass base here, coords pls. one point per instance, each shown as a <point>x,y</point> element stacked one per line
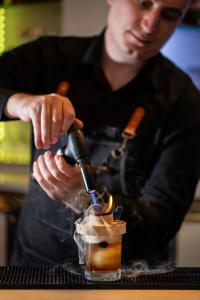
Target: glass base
<point>103,276</point>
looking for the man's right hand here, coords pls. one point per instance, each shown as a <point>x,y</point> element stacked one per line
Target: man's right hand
<point>51,115</point>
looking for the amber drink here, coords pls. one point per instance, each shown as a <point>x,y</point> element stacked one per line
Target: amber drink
<point>102,246</point>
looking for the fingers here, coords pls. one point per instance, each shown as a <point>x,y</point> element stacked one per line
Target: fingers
<point>45,129</point>
<point>50,162</point>
<point>71,172</point>
<point>79,123</point>
<point>43,174</point>
<point>60,181</point>
<point>51,116</point>
<point>56,120</point>
<point>38,171</point>
<point>53,173</point>
<point>68,115</point>
<point>36,122</point>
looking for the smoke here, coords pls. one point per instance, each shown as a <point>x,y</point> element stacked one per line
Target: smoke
<point>80,243</point>
<point>70,266</point>
<point>131,271</point>
<point>142,267</point>
<point>134,268</point>
<point>77,200</point>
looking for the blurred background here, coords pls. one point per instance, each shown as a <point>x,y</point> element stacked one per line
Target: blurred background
<point>22,21</point>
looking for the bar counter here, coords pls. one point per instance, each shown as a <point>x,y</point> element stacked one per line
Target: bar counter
<point>44,282</point>
<point>99,295</point>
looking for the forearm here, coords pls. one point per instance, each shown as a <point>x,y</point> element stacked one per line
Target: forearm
<point>14,105</point>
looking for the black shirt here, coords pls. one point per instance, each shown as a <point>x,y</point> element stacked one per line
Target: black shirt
<point>156,179</point>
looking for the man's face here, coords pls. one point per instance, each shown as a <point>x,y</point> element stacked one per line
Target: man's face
<point>139,28</point>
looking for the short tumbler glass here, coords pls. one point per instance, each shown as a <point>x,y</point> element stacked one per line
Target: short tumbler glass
<point>103,257</point>
<point>101,246</point>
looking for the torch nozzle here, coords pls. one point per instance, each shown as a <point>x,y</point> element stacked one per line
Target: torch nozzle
<point>87,176</point>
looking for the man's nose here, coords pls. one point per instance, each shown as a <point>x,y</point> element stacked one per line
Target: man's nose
<point>151,21</point>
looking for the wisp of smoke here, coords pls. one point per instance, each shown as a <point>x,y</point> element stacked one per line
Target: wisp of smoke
<point>142,267</point>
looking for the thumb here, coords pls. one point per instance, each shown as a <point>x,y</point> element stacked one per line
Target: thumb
<point>79,123</point>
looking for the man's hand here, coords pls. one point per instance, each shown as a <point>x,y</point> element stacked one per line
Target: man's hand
<point>51,115</point>
<point>60,180</point>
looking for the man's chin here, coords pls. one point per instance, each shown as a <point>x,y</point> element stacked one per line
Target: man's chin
<point>130,51</point>
<point>133,54</point>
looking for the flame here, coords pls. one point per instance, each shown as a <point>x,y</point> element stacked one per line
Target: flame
<point>109,204</point>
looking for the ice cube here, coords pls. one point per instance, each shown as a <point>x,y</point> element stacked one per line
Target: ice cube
<point>106,257</point>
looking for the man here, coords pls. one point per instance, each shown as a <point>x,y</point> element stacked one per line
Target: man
<point>109,77</point>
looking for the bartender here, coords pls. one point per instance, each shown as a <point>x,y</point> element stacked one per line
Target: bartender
<point>108,77</point>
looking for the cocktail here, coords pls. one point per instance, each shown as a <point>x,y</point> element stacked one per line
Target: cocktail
<point>102,239</point>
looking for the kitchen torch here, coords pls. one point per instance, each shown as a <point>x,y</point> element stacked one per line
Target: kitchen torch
<point>76,151</point>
